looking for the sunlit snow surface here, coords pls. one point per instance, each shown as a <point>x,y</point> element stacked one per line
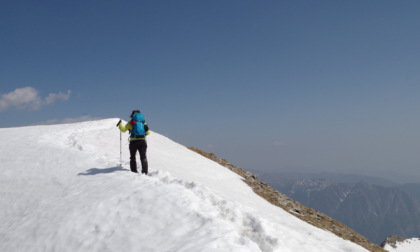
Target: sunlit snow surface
<point>409,245</point>
<point>62,189</point>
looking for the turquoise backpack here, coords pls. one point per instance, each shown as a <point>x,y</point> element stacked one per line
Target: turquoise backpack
<point>137,123</point>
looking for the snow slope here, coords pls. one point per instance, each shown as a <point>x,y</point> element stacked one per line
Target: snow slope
<point>62,189</point>
<point>408,245</point>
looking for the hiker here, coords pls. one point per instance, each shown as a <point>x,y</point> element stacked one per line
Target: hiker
<point>138,131</point>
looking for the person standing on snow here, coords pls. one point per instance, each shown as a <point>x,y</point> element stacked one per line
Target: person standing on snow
<point>138,129</point>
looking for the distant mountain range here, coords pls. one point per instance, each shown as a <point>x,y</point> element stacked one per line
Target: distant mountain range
<point>412,188</point>
<point>364,204</point>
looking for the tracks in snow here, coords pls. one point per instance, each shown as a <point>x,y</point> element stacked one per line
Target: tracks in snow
<point>247,225</point>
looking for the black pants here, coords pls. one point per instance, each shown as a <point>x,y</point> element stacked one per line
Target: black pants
<point>141,146</point>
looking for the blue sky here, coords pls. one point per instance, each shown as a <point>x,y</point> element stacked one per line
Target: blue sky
<point>268,85</point>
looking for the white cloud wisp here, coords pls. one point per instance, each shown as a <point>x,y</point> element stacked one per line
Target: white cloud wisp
<point>28,98</point>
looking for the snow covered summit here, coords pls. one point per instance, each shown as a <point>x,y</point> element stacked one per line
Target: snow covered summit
<point>395,243</point>
<point>62,189</point>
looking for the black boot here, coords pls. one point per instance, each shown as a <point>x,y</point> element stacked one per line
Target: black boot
<point>133,165</point>
<point>144,166</point>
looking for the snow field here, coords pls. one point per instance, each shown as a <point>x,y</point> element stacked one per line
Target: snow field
<point>62,189</point>
<point>409,245</point>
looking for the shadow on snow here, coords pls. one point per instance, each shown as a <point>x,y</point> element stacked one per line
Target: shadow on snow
<point>95,171</point>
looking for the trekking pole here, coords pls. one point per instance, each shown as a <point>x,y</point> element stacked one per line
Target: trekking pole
<point>120,145</point>
<point>120,149</point>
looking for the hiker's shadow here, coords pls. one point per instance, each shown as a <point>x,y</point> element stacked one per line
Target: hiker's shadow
<point>95,171</point>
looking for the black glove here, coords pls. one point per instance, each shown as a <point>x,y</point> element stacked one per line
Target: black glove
<point>119,123</point>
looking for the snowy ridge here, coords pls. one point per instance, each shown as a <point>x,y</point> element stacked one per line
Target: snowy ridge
<point>408,245</point>
<point>62,189</point>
